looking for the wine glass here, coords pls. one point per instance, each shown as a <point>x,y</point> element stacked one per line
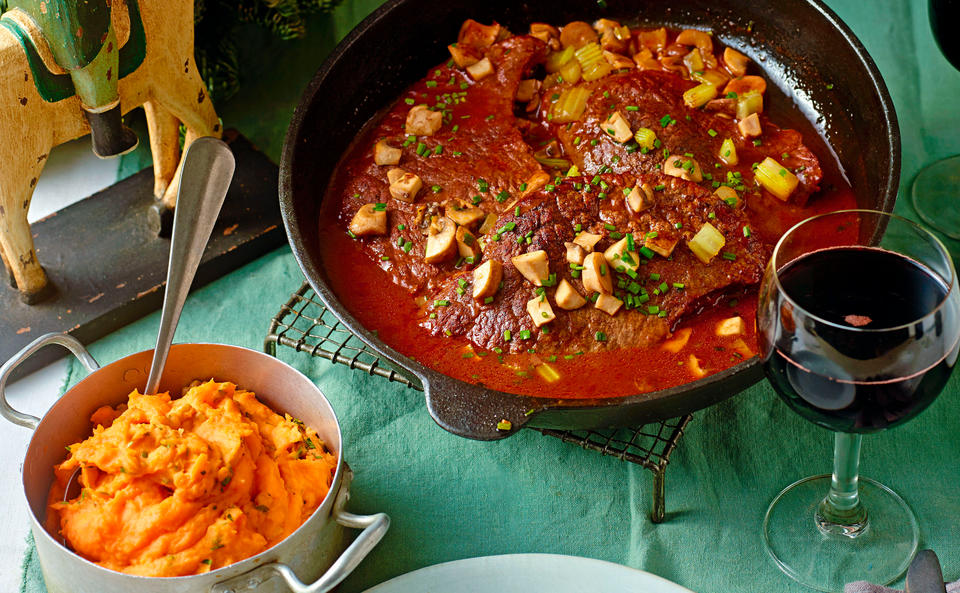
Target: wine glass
<point>859,322</point>
<point>935,191</point>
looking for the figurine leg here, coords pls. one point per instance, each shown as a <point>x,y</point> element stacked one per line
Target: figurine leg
<point>8,268</point>
<point>185,96</point>
<point>96,86</point>
<point>164,131</point>
<point>16,241</point>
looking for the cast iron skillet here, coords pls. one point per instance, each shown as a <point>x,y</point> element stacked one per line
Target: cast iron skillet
<point>808,54</point>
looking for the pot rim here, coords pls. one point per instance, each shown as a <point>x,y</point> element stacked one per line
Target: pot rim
<point>230,570</point>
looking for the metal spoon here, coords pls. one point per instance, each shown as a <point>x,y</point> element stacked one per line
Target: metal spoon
<point>204,179</point>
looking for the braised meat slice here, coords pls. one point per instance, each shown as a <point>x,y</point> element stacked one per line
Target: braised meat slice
<point>477,147</point>
<point>655,296</point>
<point>654,100</point>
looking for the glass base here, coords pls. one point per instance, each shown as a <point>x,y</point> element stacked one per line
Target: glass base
<point>935,193</point>
<point>824,560</point>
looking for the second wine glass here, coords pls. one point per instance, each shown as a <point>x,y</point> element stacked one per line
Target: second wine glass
<point>859,322</point>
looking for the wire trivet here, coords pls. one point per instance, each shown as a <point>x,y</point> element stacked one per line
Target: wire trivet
<point>304,324</point>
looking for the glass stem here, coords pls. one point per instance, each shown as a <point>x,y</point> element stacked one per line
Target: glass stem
<point>841,513</point>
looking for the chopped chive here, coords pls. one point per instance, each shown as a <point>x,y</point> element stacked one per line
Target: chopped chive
<point>729,256</point>
<point>409,101</point>
<point>712,133</point>
<point>632,108</point>
<point>600,336</point>
<point>506,335</point>
<point>746,231</point>
<point>679,285</point>
<point>488,300</point>
<point>435,189</point>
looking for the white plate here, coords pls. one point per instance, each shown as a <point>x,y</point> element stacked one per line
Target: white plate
<point>528,573</point>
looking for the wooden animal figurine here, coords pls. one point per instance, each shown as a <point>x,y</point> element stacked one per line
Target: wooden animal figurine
<point>104,57</point>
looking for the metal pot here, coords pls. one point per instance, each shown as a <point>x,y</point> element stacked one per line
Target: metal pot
<point>811,57</point>
<point>308,554</point>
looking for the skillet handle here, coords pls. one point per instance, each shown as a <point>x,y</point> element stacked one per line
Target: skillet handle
<point>65,340</point>
<point>374,528</point>
<point>473,411</point>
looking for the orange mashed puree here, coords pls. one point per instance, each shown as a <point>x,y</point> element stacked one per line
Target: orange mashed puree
<point>185,486</point>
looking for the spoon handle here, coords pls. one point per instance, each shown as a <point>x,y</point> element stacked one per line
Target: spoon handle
<point>205,177</point>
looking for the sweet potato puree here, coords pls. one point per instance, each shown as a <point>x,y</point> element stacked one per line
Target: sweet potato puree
<point>185,486</point>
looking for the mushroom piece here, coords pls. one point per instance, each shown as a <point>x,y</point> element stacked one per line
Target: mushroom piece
<point>693,365</point>
<point>467,244</point>
<point>609,304</point>
<point>546,33</point>
<point>481,69</point>
<point>662,245</point>
<point>618,257</point>
<point>535,183</point>
<point>617,127</point>
<point>567,296</point>
<point>700,39</point>
<point>527,89</point>
<point>750,126</point>
<point>735,62</point>
<point>463,214</point>
<point>534,266</point>
<point>677,341</point>
<point>683,167</point>
<point>575,253</point>
<point>369,221</point>
<point>576,34</point>
<point>489,224</point>
<point>640,198</point>
<point>441,240</point>
<point>404,186</point>
<point>596,274</point>
<point>384,154</point>
<point>728,195</point>
<point>463,55</point>
<point>486,279</point>
<point>478,35</point>
<point>617,61</point>
<point>732,326</point>
<point>540,310</point>
<point>587,240</point>
<point>423,122</point>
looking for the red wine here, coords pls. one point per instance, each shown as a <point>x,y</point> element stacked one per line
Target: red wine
<point>865,342</point>
<point>944,16</point>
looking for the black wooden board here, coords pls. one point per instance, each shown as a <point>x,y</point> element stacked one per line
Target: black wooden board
<point>108,267</point>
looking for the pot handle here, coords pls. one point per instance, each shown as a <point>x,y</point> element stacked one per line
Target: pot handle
<point>374,528</point>
<point>65,340</point>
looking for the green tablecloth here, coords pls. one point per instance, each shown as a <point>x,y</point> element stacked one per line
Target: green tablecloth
<point>452,498</point>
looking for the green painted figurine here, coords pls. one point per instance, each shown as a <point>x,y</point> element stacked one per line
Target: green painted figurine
<point>81,37</point>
